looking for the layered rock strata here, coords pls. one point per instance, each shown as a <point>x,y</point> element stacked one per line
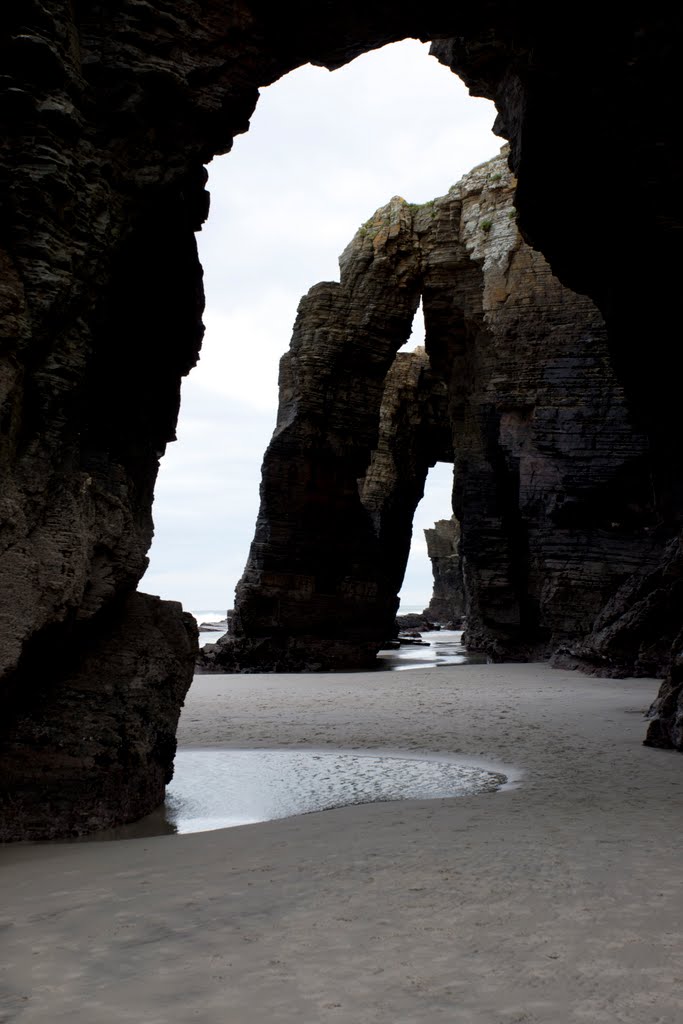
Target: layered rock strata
<point>100,316</point>
<point>110,112</point>
<point>552,479</point>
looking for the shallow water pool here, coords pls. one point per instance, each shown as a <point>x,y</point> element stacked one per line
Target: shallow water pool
<point>221,788</point>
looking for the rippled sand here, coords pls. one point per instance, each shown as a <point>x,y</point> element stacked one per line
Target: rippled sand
<point>557,900</point>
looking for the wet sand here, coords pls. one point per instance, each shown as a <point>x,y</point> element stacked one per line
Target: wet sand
<point>555,900</point>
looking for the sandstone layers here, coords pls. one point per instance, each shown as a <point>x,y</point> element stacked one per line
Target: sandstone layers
<point>109,114</point>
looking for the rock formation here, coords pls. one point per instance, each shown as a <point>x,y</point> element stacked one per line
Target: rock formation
<point>321,622</point>
<point>552,480</point>
<point>515,386</point>
<point>313,595</point>
<point>110,113</point>
<point>447,604</point>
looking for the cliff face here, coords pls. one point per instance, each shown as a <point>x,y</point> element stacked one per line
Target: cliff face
<point>100,316</point>
<point>552,480</point>
<point>109,113</point>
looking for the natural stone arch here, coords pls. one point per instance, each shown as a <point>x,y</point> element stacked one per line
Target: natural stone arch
<point>515,386</point>
<point>112,113</point>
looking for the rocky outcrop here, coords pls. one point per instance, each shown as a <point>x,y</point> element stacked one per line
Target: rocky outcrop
<point>410,432</point>
<point>324,596</point>
<point>414,623</point>
<point>100,318</point>
<point>447,604</point>
<point>110,113</point>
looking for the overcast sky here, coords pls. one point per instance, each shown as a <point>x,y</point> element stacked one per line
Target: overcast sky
<point>324,151</point>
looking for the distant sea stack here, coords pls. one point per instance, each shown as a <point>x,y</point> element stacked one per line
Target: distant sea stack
<point>447,605</point>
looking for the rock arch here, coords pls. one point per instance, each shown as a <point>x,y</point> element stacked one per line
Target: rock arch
<point>515,387</point>
<point>111,114</point>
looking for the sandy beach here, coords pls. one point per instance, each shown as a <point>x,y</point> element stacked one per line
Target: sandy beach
<point>558,899</point>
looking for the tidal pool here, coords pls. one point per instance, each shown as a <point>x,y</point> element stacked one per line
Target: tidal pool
<point>220,788</point>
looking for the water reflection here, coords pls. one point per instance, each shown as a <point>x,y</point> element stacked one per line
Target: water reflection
<point>220,788</point>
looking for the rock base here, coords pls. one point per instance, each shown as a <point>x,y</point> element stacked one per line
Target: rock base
<point>288,654</point>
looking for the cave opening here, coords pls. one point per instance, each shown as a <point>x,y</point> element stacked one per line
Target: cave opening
<point>323,151</point>
<point>113,148</point>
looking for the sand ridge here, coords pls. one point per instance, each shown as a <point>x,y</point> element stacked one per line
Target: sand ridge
<point>558,900</point>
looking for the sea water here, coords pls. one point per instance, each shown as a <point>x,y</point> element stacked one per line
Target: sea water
<point>445,645</point>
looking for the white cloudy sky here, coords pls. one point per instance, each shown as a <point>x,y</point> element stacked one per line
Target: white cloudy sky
<point>324,151</point>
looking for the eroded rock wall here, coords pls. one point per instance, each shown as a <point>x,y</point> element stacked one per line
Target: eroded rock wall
<point>568,132</point>
<point>91,743</point>
<point>100,316</point>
